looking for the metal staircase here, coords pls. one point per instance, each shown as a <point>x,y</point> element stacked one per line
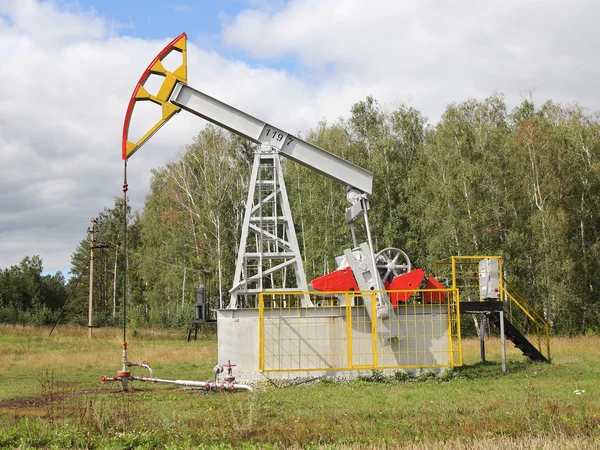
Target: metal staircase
<point>520,341</point>
<point>528,329</point>
<point>522,324</point>
<point>486,292</point>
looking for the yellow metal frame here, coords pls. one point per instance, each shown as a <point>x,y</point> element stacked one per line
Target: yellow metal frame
<point>357,341</point>
<point>369,354</point>
<point>468,260</point>
<point>514,302</point>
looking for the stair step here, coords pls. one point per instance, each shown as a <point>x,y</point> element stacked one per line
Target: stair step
<point>519,340</point>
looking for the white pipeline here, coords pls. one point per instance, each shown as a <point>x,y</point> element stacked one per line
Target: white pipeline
<point>208,385</point>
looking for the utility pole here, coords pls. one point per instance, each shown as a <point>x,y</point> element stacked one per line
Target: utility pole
<point>92,229</point>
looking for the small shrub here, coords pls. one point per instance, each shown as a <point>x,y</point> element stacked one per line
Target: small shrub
<point>447,375</point>
<point>325,379</point>
<point>426,375</point>
<point>43,316</point>
<point>402,377</point>
<point>377,376</point>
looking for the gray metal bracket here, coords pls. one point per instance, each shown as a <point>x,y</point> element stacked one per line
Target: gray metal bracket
<point>367,278</point>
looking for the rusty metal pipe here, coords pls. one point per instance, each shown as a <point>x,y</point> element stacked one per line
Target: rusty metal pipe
<point>143,364</point>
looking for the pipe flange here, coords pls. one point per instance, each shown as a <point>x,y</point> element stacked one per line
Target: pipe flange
<point>122,373</point>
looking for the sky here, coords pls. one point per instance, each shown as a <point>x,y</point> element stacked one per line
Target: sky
<point>69,67</point>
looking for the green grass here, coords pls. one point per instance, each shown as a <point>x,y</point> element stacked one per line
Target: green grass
<point>50,396</point>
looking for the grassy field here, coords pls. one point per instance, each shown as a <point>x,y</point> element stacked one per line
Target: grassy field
<point>50,397</point>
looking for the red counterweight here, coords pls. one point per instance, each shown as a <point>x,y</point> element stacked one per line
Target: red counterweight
<point>341,280</point>
<point>434,297</point>
<point>408,282</point>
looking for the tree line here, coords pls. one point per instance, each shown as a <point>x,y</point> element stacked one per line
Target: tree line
<point>522,184</point>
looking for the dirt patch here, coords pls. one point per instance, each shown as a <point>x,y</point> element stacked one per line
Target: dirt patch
<point>23,403</point>
<point>44,405</point>
<point>42,401</point>
<point>38,406</point>
<point>24,406</point>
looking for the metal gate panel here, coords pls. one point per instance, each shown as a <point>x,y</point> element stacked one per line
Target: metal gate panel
<point>338,333</point>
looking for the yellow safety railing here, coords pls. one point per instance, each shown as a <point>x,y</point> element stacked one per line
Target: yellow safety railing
<point>350,331</point>
<point>526,319</point>
<point>461,272</point>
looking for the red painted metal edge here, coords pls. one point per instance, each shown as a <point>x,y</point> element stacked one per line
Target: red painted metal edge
<point>436,296</point>
<point>338,280</point>
<point>142,80</point>
<point>408,282</point>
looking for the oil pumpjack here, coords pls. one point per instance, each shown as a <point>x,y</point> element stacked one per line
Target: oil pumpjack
<point>268,231</point>
<point>268,243</point>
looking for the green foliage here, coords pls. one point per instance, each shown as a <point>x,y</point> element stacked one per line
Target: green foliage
<point>27,296</point>
<point>192,224</point>
<point>402,376</point>
<point>109,267</point>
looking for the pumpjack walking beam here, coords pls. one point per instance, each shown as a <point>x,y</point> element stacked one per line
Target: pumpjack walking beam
<point>260,132</point>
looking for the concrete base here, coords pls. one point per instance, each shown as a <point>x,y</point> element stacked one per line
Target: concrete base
<point>317,337</point>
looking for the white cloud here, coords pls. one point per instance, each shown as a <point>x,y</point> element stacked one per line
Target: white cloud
<point>64,99</point>
<point>434,52</point>
<point>182,8</point>
<point>50,24</point>
<point>67,76</point>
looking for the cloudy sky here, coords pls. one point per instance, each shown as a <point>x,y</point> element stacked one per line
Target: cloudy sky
<point>68,69</point>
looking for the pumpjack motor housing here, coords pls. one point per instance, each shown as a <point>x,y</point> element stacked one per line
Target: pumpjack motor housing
<point>489,279</point>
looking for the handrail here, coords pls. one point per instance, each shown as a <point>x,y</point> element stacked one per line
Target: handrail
<point>525,302</point>
<point>531,313</point>
<point>460,271</point>
<point>520,306</point>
